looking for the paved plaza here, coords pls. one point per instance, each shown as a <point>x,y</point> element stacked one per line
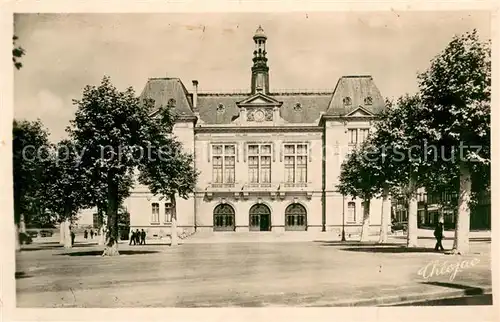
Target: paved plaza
<point>314,273</point>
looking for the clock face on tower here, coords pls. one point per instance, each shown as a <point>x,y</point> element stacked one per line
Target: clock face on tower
<point>259,115</point>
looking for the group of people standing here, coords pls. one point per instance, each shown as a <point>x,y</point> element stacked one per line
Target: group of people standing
<point>86,234</point>
<point>138,237</point>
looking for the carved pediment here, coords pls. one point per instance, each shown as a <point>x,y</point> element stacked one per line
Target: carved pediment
<point>360,111</point>
<point>259,99</point>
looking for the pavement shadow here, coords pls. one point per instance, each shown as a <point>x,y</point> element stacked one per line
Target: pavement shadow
<point>390,250</point>
<point>20,275</point>
<point>354,243</point>
<point>471,239</point>
<point>46,243</point>
<point>99,252</point>
<point>468,290</point>
<point>151,244</point>
<point>53,246</point>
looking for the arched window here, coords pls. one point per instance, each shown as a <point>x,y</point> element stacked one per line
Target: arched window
<point>351,211</point>
<point>155,212</point>
<point>295,217</point>
<point>224,218</point>
<point>260,218</point>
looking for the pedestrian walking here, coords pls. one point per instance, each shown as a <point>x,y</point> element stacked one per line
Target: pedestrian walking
<point>85,234</point>
<point>438,233</point>
<point>91,234</point>
<point>143,237</point>
<point>72,238</point>
<point>132,238</point>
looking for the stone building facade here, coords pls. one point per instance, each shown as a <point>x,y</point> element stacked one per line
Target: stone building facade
<point>269,161</point>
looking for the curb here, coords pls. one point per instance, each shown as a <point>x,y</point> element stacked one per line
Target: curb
<point>410,298</point>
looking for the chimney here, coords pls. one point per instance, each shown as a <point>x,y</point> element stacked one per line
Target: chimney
<point>195,95</point>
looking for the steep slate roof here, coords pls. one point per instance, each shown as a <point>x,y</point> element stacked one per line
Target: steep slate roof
<point>161,90</point>
<point>208,103</point>
<point>357,88</point>
<point>311,106</point>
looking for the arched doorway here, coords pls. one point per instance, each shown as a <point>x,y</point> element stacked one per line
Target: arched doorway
<point>224,218</point>
<point>295,217</point>
<point>260,218</point>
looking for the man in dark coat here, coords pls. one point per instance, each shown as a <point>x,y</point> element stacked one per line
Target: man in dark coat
<point>91,234</point>
<point>438,233</point>
<point>132,238</point>
<point>72,238</point>
<point>143,237</point>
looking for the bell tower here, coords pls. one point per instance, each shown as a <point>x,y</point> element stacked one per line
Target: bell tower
<point>260,70</point>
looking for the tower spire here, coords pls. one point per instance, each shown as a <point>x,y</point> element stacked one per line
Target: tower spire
<point>260,70</point>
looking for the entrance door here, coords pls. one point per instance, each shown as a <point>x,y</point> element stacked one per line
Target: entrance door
<point>260,218</point>
<point>224,218</point>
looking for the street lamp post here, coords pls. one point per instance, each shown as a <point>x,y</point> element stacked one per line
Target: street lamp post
<point>343,218</point>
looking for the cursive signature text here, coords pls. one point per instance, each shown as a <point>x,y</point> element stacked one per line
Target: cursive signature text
<point>439,268</point>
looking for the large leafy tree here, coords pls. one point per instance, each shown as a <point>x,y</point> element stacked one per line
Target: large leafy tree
<point>29,147</point>
<point>67,186</point>
<point>168,170</point>
<point>359,178</point>
<point>456,93</point>
<point>401,137</point>
<point>112,127</point>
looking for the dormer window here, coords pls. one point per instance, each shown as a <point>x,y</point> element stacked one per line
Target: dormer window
<point>220,108</point>
<point>297,107</point>
<point>171,103</point>
<point>347,101</point>
<point>368,100</point>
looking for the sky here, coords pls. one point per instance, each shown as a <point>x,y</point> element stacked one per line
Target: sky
<point>66,52</point>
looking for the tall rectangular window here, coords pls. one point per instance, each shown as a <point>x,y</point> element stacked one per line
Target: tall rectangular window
<point>363,134</point>
<point>223,163</point>
<point>168,212</point>
<point>253,169</point>
<point>289,169</point>
<point>296,163</point>
<point>351,212</point>
<point>353,136</point>
<point>259,163</point>
<point>357,136</point>
<point>155,212</point>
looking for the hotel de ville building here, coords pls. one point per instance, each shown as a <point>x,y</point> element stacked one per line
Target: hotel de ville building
<point>268,161</point>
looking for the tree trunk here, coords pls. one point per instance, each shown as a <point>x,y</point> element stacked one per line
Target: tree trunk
<point>385,214</point>
<point>102,236</point>
<point>365,228</point>
<point>412,234</point>
<point>111,248</point>
<point>22,224</point>
<point>67,233</point>
<point>17,219</point>
<point>18,244</point>
<point>462,224</point>
<point>62,232</point>
<point>102,227</point>
<point>174,240</point>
